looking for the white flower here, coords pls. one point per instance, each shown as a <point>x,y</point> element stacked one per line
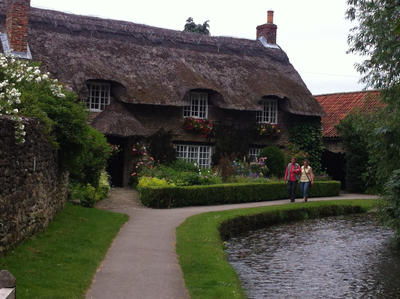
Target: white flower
<point>15,110</point>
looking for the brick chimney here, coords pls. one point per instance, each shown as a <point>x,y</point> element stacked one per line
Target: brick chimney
<point>268,30</point>
<point>17,18</point>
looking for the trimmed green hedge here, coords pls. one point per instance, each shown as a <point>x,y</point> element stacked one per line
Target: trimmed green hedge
<point>171,197</point>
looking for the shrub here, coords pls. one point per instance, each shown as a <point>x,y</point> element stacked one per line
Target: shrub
<point>182,173</point>
<point>161,148</point>
<point>26,91</point>
<point>87,195</point>
<point>89,164</point>
<point>153,182</point>
<point>390,208</point>
<point>180,196</point>
<point>275,160</point>
<point>226,167</point>
<point>183,165</point>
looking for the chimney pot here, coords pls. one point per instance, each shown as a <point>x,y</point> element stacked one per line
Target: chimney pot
<point>270,18</point>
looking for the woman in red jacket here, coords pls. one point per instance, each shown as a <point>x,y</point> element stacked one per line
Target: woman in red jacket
<point>291,176</point>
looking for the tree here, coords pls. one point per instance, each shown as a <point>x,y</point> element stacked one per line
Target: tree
<point>191,26</point>
<point>377,37</point>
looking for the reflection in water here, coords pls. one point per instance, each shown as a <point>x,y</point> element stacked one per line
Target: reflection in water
<point>335,257</point>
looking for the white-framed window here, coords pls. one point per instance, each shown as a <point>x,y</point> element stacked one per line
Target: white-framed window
<point>99,96</point>
<point>269,114</point>
<point>254,153</point>
<point>198,106</point>
<point>199,154</point>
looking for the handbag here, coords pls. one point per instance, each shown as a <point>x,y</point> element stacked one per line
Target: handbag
<point>311,183</point>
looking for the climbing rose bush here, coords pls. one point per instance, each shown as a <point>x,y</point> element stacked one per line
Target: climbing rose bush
<point>15,76</point>
<point>26,91</point>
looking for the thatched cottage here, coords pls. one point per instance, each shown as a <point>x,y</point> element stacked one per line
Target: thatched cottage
<point>138,79</point>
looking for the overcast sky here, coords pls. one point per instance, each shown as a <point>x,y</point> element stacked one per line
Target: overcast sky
<point>313,33</point>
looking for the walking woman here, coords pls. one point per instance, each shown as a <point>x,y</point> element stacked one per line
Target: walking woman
<point>306,180</point>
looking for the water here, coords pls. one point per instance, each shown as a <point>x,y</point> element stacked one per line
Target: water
<point>335,257</point>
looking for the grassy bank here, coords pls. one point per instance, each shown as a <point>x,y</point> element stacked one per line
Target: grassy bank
<point>61,262</point>
<point>199,245</point>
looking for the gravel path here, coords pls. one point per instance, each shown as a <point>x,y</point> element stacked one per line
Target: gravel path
<point>142,263</point>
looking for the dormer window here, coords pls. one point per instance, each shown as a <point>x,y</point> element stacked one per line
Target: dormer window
<point>269,114</point>
<point>198,106</point>
<point>99,96</point>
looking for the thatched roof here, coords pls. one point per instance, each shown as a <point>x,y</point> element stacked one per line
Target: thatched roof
<point>116,120</point>
<point>159,66</point>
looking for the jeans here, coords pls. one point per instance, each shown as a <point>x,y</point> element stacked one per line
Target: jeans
<point>291,185</point>
<point>304,186</point>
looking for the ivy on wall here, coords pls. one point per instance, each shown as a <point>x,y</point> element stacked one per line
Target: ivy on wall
<point>233,139</point>
<point>306,133</point>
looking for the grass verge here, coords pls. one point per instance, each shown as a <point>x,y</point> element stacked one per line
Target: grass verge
<point>60,262</point>
<point>206,271</point>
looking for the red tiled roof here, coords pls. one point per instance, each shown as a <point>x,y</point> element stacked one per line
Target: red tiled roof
<point>338,105</point>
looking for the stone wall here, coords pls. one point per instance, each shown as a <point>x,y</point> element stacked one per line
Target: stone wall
<point>32,190</point>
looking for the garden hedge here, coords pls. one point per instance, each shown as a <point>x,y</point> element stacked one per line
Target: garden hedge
<point>172,197</point>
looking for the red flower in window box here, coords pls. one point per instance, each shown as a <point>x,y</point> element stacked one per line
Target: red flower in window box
<point>197,125</point>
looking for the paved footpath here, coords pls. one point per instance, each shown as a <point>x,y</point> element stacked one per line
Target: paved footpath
<point>142,263</point>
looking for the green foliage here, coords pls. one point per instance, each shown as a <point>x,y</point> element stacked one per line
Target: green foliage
<point>87,195</point>
<point>307,135</point>
<point>81,149</point>
<point>226,167</point>
<point>191,26</point>
<point>199,241</point>
<point>355,139</point>
<point>87,165</point>
<point>275,160</point>
<point>183,165</point>
<point>153,182</point>
<point>161,148</point>
<point>226,140</point>
<point>390,207</point>
<point>180,196</point>
<point>376,37</point>
<point>182,173</point>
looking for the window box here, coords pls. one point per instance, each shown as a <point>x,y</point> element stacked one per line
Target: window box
<point>268,130</point>
<point>200,126</point>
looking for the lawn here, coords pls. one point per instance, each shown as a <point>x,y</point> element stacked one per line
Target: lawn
<point>207,273</point>
<point>61,262</point>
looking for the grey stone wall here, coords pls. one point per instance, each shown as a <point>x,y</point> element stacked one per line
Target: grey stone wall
<point>32,189</point>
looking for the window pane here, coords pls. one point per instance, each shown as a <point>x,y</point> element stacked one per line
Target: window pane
<point>201,155</point>
<point>99,96</point>
<point>269,113</point>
